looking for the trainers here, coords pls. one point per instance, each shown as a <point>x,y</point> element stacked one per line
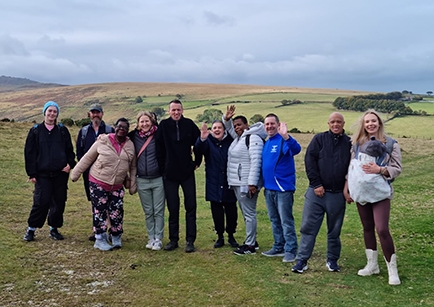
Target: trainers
<point>232,242</point>
<point>171,246</point>
<point>157,245</point>
<point>333,266</point>
<point>256,244</point>
<point>273,253</point>
<point>189,247</point>
<point>150,244</point>
<point>300,266</point>
<point>289,257</point>
<point>55,234</point>
<point>117,241</point>
<point>29,236</point>
<point>245,250</point>
<point>219,243</point>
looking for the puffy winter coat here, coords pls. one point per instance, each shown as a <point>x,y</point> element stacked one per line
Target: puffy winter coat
<point>244,163</point>
<point>108,166</point>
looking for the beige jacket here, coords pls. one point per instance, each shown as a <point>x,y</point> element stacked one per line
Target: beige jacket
<point>109,166</point>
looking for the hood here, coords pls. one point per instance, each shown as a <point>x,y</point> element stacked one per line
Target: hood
<point>258,129</point>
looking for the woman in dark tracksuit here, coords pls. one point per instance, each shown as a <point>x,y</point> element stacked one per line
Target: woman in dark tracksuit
<point>214,146</point>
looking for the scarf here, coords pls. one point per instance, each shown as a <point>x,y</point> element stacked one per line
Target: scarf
<point>150,132</point>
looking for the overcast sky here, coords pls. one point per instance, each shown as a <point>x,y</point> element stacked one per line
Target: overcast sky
<point>381,45</point>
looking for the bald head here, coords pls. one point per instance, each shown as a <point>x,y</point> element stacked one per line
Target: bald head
<point>336,123</point>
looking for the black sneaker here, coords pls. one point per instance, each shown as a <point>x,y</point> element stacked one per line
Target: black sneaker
<point>256,244</point>
<point>92,237</point>
<point>55,234</point>
<point>219,243</point>
<point>245,250</point>
<point>29,236</point>
<point>189,247</point>
<point>300,267</point>
<point>333,266</point>
<point>232,242</point>
<point>171,246</point>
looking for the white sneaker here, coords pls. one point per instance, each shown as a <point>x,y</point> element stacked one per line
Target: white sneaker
<point>157,245</point>
<point>150,244</point>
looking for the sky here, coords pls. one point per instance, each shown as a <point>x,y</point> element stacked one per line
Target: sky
<point>367,45</point>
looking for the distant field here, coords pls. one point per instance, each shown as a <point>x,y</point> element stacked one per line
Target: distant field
<point>427,105</point>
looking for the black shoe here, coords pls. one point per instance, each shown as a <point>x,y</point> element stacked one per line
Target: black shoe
<point>219,243</point>
<point>29,236</point>
<point>55,234</point>
<point>232,242</point>
<point>189,247</point>
<point>256,244</point>
<point>92,237</point>
<point>245,250</point>
<point>171,246</point>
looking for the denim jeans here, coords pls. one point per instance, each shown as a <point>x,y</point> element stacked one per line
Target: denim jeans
<point>279,206</point>
<point>331,204</point>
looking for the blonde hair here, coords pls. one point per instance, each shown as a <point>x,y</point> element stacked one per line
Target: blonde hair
<point>148,114</point>
<point>361,136</point>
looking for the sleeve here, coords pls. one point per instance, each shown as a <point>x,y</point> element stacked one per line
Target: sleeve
<point>78,145</point>
<point>196,135</point>
<point>311,162</point>
<point>31,154</point>
<point>70,155</point>
<point>255,154</point>
<point>85,162</point>
<point>229,127</point>
<point>133,173</point>
<point>394,166</point>
<point>291,145</point>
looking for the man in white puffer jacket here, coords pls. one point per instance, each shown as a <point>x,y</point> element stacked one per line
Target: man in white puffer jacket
<point>244,171</point>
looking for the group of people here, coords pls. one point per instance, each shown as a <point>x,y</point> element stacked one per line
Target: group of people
<point>156,159</point>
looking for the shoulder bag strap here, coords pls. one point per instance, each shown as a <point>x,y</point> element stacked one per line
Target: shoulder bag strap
<point>145,145</point>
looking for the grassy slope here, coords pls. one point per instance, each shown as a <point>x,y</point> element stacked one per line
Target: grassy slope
<point>72,273</point>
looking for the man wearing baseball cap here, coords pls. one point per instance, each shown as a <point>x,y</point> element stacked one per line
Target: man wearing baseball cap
<point>87,136</point>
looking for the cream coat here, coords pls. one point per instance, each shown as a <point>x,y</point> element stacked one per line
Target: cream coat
<point>108,166</point>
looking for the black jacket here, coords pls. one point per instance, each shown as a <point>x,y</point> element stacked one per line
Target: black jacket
<point>46,153</point>
<point>327,159</point>
<point>175,140</point>
<point>216,160</point>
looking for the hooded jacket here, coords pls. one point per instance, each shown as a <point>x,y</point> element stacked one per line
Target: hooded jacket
<point>244,163</point>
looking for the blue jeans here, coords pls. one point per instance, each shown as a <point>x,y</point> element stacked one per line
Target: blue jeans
<point>279,206</point>
<point>331,204</point>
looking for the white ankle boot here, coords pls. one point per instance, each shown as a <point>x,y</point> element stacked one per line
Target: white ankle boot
<point>101,242</point>
<point>117,241</point>
<point>393,271</point>
<point>372,265</point>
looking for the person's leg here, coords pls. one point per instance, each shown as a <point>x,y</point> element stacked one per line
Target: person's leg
<point>59,196</point>
<point>231,212</point>
<point>86,183</point>
<point>313,215</point>
<point>285,202</point>
<point>335,209</point>
<point>171,190</point>
<point>158,203</point>
<point>190,205</point>
<point>218,212</point>
<point>41,202</point>
<point>366,215</point>
<point>271,200</point>
<point>249,210</point>
<point>100,205</point>
<point>116,211</point>
<point>144,189</point>
<point>381,212</point>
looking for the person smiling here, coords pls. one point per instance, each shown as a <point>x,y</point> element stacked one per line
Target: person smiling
<point>113,160</point>
<point>375,216</point>
<point>149,177</point>
<point>49,156</point>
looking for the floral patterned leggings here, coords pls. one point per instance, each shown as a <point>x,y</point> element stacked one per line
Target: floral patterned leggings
<point>107,203</point>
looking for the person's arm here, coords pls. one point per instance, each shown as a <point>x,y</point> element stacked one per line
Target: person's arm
<point>31,154</point>
<point>70,155</point>
<point>133,174</point>
<point>394,167</point>
<point>255,155</point>
<point>197,155</point>
<point>86,161</point>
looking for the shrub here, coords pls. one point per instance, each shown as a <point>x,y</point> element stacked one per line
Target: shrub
<point>82,122</point>
<point>67,121</point>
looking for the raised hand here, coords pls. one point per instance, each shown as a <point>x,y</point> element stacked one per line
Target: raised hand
<point>230,111</point>
<point>204,132</point>
<point>283,130</point>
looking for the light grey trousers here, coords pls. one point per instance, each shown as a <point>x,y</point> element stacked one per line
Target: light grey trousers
<point>248,209</point>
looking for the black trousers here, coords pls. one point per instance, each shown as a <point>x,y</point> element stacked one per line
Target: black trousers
<point>219,210</point>
<point>49,198</point>
<point>171,189</point>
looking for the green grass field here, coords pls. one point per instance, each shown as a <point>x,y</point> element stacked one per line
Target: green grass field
<point>72,273</point>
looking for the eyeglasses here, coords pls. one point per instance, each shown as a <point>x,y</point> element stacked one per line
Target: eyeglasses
<point>121,127</point>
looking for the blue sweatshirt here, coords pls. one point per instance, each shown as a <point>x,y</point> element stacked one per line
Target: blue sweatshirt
<point>278,167</point>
